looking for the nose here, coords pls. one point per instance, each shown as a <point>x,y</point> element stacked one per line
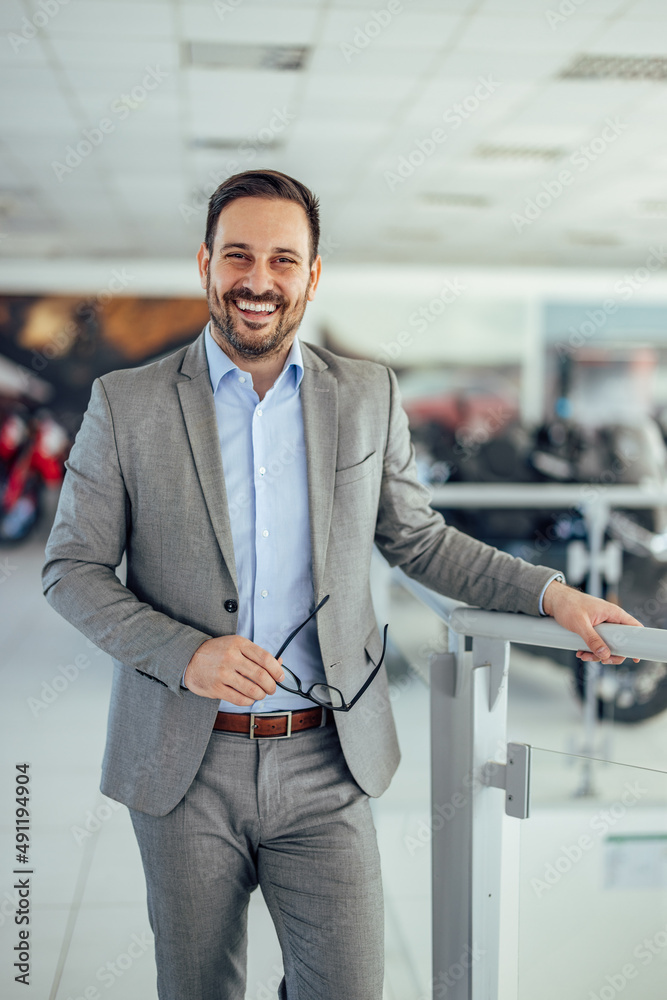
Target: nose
<point>258,277</point>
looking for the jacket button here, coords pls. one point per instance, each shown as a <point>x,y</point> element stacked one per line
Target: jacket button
<point>231,606</point>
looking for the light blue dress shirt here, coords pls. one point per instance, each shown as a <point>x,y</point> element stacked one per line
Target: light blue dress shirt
<point>264,462</point>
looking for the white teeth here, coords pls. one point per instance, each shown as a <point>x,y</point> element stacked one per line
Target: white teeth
<point>256,306</point>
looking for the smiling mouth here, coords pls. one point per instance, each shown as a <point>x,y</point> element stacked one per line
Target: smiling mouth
<point>256,310</point>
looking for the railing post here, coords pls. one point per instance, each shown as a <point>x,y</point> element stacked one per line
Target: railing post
<point>468,728</point>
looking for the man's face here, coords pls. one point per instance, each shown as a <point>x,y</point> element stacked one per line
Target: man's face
<point>258,278</point>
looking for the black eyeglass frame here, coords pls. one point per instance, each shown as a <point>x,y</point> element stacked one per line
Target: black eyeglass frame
<point>346,706</point>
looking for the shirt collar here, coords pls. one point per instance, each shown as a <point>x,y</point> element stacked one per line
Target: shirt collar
<point>219,363</point>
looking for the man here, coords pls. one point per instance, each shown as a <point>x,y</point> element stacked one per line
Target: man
<point>247,477</point>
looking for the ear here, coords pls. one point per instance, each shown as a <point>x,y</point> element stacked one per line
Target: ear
<point>202,263</point>
<point>315,273</point>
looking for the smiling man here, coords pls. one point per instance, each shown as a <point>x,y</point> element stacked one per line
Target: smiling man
<point>247,478</point>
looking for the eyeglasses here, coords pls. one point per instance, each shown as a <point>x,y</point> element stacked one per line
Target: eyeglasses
<point>323,694</point>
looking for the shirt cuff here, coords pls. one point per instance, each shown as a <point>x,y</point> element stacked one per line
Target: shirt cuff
<point>556,576</point>
<point>187,689</point>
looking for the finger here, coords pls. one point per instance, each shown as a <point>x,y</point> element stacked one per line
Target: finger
<point>248,688</point>
<point>257,676</point>
<point>595,644</point>
<point>589,657</point>
<point>236,698</point>
<point>264,659</point>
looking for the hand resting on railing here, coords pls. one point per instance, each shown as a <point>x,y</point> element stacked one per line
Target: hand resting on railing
<point>578,612</point>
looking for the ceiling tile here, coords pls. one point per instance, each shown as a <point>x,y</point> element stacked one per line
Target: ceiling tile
<point>364,30</point>
<point>135,55</point>
<point>108,19</point>
<point>272,24</point>
<point>630,38</point>
<point>341,125</point>
<point>398,61</point>
<point>498,32</point>
<point>261,101</point>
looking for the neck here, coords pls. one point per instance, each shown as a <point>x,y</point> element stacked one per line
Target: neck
<point>264,369</point>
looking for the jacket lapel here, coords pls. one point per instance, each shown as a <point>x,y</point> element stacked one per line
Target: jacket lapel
<point>319,404</point>
<point>198,409</point>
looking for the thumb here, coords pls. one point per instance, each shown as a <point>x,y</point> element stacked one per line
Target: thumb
<point>593,641</point>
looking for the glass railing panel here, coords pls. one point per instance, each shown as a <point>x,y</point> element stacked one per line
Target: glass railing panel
<point>593,882</point>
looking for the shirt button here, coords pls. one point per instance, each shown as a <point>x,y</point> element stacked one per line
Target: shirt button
<point>259,412</point>
<point>265,593</point>
<point>241,378</point>
<point>231,606</point>
<point>265,533</point>
<point>262,470</point>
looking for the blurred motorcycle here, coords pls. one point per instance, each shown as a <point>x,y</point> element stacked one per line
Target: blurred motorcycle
<point>33,449</point>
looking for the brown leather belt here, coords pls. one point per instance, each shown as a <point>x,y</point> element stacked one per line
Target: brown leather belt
<point>278,725</point>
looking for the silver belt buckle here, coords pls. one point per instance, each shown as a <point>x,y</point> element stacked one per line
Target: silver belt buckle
<point>271,715</point>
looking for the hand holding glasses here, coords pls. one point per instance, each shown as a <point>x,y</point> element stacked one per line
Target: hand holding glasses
<point>323,694</point>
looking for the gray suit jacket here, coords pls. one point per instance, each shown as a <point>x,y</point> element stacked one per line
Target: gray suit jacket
<point>145,478</point>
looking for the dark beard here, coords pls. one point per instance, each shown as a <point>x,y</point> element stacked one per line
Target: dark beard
<point>223,322</point>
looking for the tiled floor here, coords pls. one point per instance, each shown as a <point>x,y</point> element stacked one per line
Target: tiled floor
<point>89,930</point>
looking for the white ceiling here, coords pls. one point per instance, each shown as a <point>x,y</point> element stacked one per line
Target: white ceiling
<point>350,116</point>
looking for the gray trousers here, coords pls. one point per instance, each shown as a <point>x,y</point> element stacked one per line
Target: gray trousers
<point>285,815</point>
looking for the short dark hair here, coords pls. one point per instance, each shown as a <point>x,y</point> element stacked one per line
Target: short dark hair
<point>264,184</point>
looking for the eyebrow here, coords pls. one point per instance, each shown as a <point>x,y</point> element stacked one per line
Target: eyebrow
<point>246,246</point>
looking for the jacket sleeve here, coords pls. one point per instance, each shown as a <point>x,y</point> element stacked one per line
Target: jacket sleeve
<point>410,534</point>
<point>86,545</point>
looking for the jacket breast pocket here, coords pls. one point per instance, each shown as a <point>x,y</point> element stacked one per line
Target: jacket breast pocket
<point>355,472</point>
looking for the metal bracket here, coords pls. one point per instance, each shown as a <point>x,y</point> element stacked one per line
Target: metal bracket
<point>514,777</point>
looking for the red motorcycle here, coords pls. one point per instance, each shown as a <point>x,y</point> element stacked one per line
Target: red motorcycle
<point>33,449</point>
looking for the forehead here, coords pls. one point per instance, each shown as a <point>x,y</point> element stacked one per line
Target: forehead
<point>263,223</point>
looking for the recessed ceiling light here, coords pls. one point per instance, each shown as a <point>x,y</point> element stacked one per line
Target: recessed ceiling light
<point>490,151</point>
<point>601,67</point>
<point>222,143</point>
<point>221,55</point>
<point>454,199</point>
<point>651,208</point>
<point>593,239</point>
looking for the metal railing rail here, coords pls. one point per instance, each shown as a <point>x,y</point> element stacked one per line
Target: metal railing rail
<point>623,640</point>
<point>468,742</point>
